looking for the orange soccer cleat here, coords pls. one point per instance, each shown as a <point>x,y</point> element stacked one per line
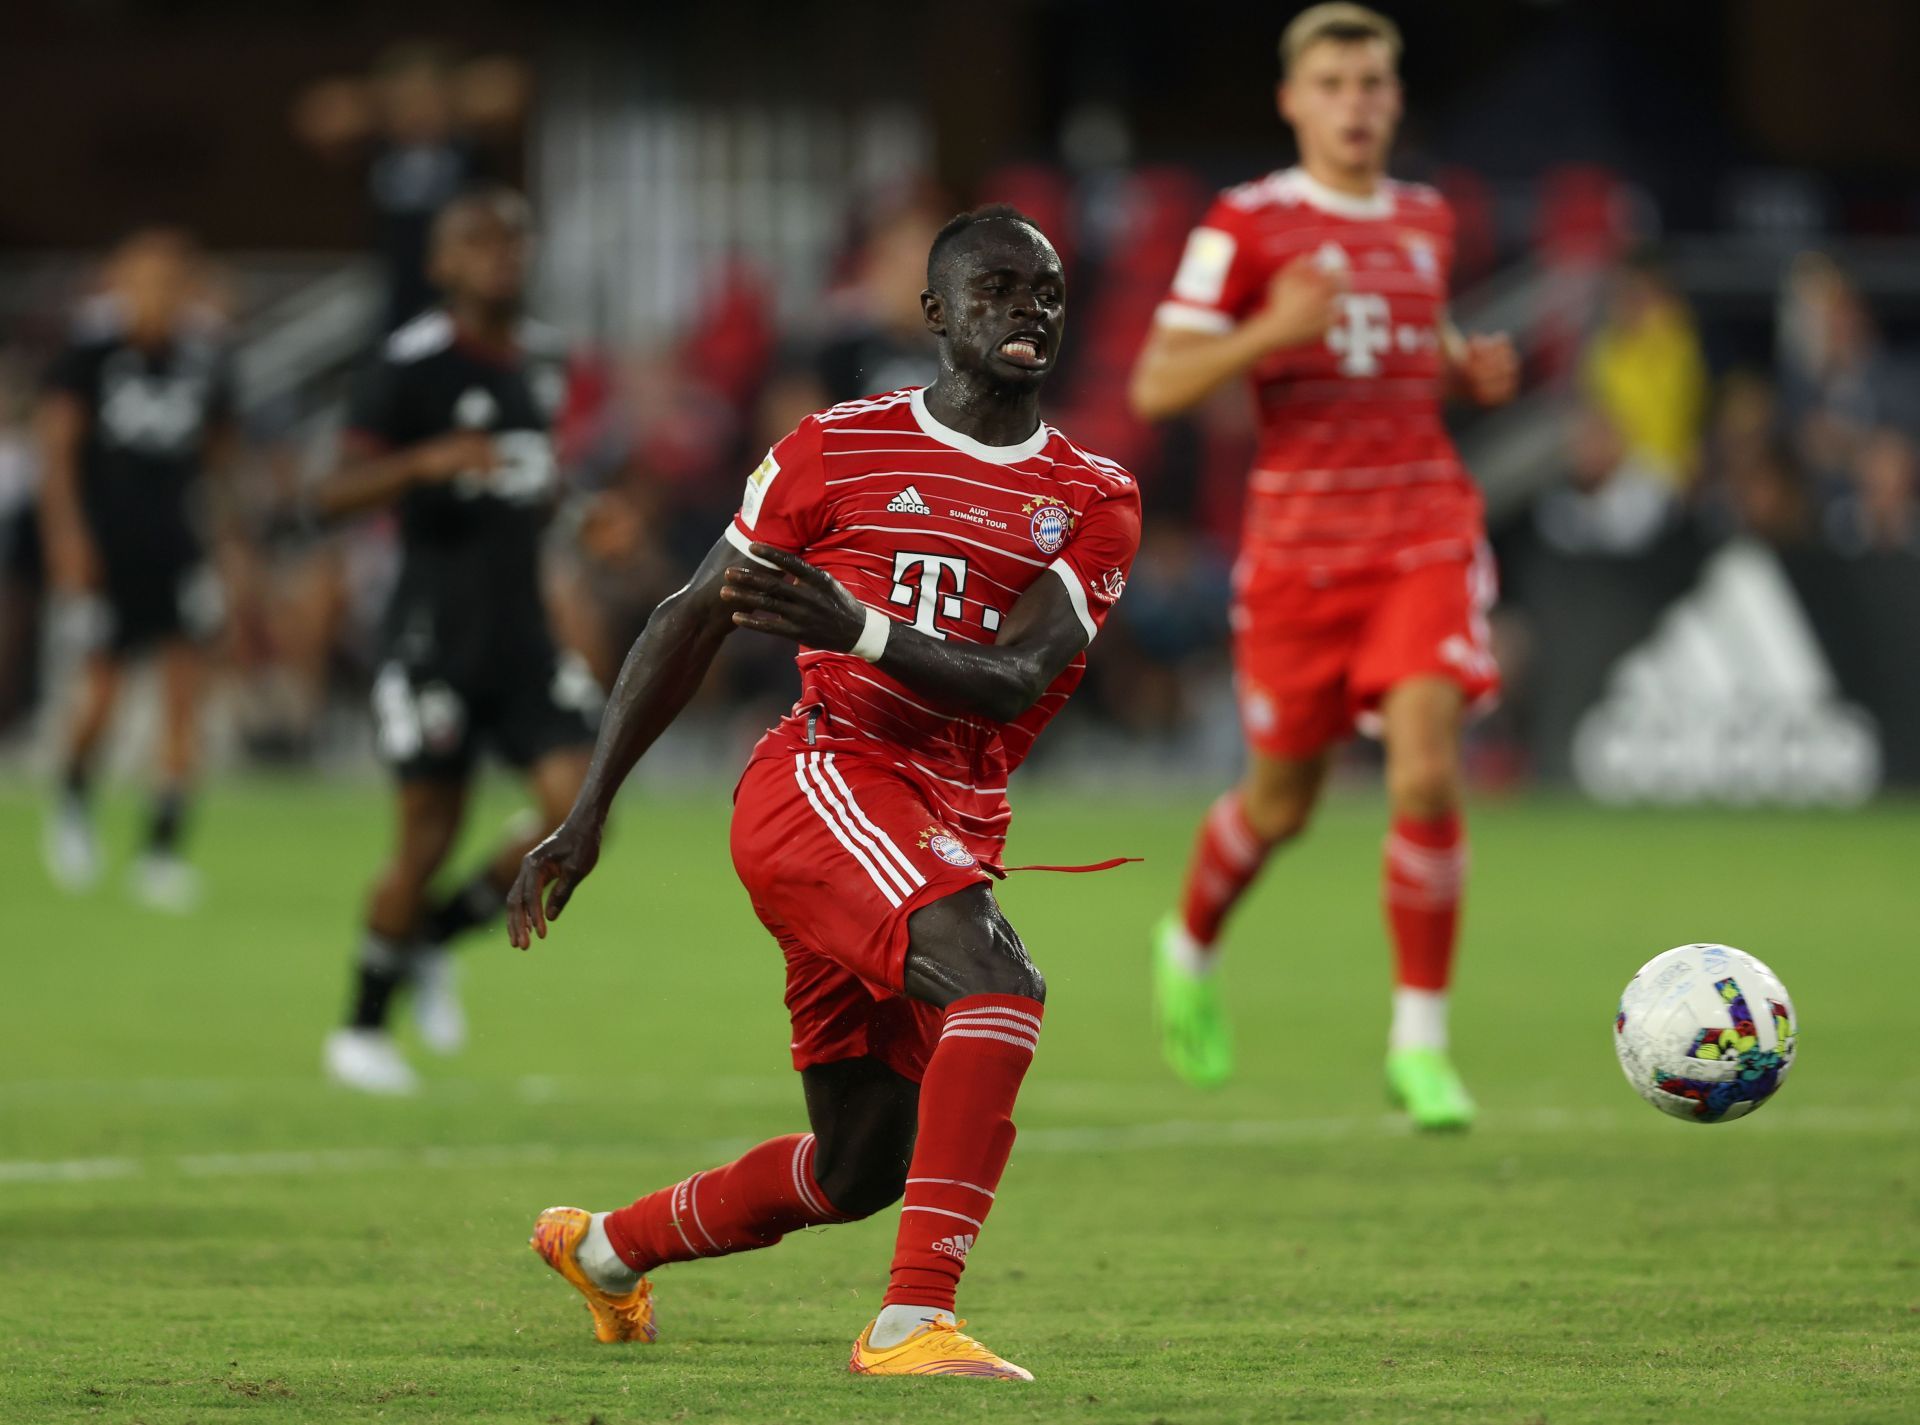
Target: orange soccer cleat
<point>556,1237</point>
<point>940,1348</point>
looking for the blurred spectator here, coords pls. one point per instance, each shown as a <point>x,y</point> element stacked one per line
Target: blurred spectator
<point>1174,621</point>
<point>1754,482</point>
<point>1767,495</point>
<point>424,126</point>
<point>1611,503</point>
<point>1877,513</point>
<point>1838,385</point>
<point>875,339</point>
<point>1643,369</point>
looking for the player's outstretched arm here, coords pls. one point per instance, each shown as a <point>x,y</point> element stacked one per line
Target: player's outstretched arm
<point>1178,369</point>
<point>380,480</point>
<point>1000,680</point>
<point>662,672</point>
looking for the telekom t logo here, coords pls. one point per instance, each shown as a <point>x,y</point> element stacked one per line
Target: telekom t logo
<point>1360,332</point>
<point>922,591</point>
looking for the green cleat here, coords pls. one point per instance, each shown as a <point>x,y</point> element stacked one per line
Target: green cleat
<point>1193,1028</point>
<point>1423,1082</point>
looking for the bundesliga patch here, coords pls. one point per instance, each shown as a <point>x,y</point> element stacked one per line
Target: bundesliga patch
<point>1204,266</point>
<point>757,484</point>
<point>1052,522</point>
<point>947,847</point>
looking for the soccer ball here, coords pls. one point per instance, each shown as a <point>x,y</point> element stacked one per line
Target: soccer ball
<point>1705,1033</point>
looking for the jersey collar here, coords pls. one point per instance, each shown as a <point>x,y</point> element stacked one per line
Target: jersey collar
<point>1310,190</point>
<point>967,445</point>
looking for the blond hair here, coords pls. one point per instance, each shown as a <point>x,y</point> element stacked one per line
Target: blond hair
<point>1343,24</point>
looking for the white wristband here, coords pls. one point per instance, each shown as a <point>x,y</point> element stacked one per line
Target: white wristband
<point>872,641</point>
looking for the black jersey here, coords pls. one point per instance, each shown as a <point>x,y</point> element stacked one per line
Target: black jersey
<point>149,414</point>
<point>469,587</point>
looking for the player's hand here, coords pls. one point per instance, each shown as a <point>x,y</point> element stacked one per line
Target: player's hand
<point>1488,370</point>
<point>1301,302</point>
<point>552,871</point>
<point>457,453</point>
<point>794,600</point>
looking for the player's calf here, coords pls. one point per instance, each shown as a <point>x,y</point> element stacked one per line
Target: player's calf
<point>967,959</point>
<point>864,1114</point>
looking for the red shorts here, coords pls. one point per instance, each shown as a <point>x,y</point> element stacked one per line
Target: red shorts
<point>1311,661</point>
<point>836,852</point>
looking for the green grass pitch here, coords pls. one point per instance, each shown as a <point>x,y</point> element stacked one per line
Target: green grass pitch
<point>194,1228</point>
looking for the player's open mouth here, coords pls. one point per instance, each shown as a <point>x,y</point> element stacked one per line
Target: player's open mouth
<point>1025,349</point>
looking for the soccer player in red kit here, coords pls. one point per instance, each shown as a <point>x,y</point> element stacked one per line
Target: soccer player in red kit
<point>1362,581</point>
<point>943,558</point>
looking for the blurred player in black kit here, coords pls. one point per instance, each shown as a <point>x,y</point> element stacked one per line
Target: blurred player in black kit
<point>136,410</point>
<point>450,429</point>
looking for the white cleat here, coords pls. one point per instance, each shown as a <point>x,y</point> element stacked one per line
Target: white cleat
<point>437,1012</point>
<point>165,883</point>
<point>368,1060</point>
<point>73,856</point>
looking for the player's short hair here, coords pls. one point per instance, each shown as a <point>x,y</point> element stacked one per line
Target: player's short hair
<point>963,222</point>
<point>163,238</point>
<point>1341,23</point>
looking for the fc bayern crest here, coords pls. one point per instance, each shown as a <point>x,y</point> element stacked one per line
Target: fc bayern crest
<point>1051,524</point>
<point>1421,254</point>
<point>947,847</point>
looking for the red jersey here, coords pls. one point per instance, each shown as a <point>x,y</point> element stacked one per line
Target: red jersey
<point>938,530</point>
<point>1355,470</point>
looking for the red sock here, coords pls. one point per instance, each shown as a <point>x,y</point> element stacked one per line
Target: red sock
<point>966,1133</point>
<point>1227,854</point>
<point>1425,869</point>
<point>751,1202</point>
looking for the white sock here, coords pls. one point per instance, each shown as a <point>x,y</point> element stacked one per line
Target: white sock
<point>1193,958</point>
<point>1419,1019</point>
<point>896,1323</point>
<point>601,1263</point>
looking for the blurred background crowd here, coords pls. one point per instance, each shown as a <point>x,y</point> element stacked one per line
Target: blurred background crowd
<point>1700,223</point>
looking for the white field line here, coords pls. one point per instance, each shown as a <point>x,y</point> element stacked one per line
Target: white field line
<point>1110,1138</point>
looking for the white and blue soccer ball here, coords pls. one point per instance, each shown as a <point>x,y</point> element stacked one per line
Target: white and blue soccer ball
<point>1705,1033</point>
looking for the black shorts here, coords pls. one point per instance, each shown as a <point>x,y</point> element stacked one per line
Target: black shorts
<point>22,557</point>
<point>430,722</point>
<point>149,600</point>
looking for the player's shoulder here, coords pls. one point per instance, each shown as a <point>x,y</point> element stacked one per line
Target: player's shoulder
<point>425,336</point>
<point>1420,202</point>
<point>1110,477</point>
<point>1289,195</point>
<point>542,341</point>
<point>1245,203</point>
<point>866,412</point>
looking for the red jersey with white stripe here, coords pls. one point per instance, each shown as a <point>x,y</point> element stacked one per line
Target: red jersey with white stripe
<point>940,531</point>
<point>1355,469</point>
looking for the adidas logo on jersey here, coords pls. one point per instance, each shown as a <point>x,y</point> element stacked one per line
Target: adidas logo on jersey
<point>956,1246</point>
<point>908,502</point>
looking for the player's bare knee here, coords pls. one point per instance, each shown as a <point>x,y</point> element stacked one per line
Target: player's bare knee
<point>1009,970</point>
<point>962,945</point>
<point>1424,787</point>
<point>1276,815</point>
